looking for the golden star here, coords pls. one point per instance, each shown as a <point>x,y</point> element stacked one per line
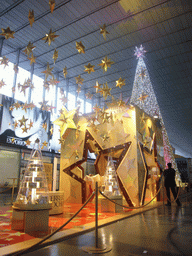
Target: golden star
<point>2,83</point>
<point>15,124</point>
<point>23,121</point>
<point>30,125</point>
<point>53,81</point>
<point>66,121</point>
<point>98,87</point>
<point>7,33</point>
<point>46,85</point>
<point>121,103</point>
<point>103,31</point>
<point>89,68</point>
<point>52,5</point>
<point>32,59</point>
<point>44,105</point>
<point>105,137</point>
<point>78,89</point>
<point>55,56</point>
<point>51,130</point>
<point>79,80</point>
<point>48,72</point>
<point>28,50</point>
<point>44,144</point>
<point>105,63</point>
<point>96,109</point>
<point>106,91</point>
<point>50,37</point>
<point>31,105</point>
<point>31,17</point>
<point>25,107</point>
<point>61,141</point>
<point>27,142</point>
<point>44,125</point>
<point>17,105</point>
<point>143,97</point>
<point>12,140</point>
<point>11,108</point>
<point>80,47</point>
<point>16,68</point>
<point>24,129</point>
<point>106,118</point>
<point>64,99</point>
<point>89,95</point>
<point>65,71</point>
<point>4,61</point>
<point>120,82</point>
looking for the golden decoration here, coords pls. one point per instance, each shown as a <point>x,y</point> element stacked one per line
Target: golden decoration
<point>17,105</point>
<point>50,108</point>
<point>32,59</point>
<point>106,91</point>
<point>98,87</point>
<point>24,129</point>
<point>66,121</point>
<point>44,125</point>
<point>30,125</point>
<point>143,97</point>
<point>12,140</point>
<point>89,95</point>
<point>28,142</point>
<point>78,89</point>
<point>16,124</point>
<point>106,117</point>
<point>50,37</point>
<point>31,17</point>
<point>89,68</point>
<point>4,61</point>
<point>2,83</point>
<point>103,31</point>
<point>65,71</point>
<point>96,109</point>
<point>106,63</point>
<point>80,47</point>
<point>51,130</point>
<point>16,68</point>
<point>120,82</point>
<point>28,50</point>
<point>52,5</point>
<point>121,103</point>
<point>13,89</point>
<point>64,99</point>
<point>31,105</point>
<point>55,56</point>
<point>7,33</point>
<point>11,108</point>
<point>44,144</point>
<point>53,81</point>
<point>44,105</point>
<point>46,85</point>
<point>48,72</point>
<point>79,80</point>
<point>105,137</point>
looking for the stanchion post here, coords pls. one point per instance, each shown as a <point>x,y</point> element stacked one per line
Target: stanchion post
<point>96,214</point>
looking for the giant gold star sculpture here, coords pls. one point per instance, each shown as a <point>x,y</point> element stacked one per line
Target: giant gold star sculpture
<point>65,120</point>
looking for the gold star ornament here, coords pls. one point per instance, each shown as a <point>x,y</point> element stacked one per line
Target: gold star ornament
<point>50,37</point>
<point>4,61</point>
<point>103,31</point>
<point>31,17</point>
<point>80,47</point>
<point>106,63</point>
<point>7,33</point>
<point>89,68</point>
<point>48,72</point>
<point>120,82</point>
<point>65,71</point>
<point>79,80</point>
<point>55,56</point>
<point>28,50</point>
<point>52,5</point>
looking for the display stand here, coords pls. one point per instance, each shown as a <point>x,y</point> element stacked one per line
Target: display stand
<point>108,206</point>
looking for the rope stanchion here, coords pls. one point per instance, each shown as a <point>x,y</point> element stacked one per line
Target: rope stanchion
<point>96,248</point>
<point>57,230</point>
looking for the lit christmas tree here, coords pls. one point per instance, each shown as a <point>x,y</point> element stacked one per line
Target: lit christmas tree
<point>144,97</point>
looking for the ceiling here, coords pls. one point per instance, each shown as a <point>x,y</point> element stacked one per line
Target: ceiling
<point>163,27</point>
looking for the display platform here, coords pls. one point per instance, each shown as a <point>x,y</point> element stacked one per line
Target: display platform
<point>87,215</point>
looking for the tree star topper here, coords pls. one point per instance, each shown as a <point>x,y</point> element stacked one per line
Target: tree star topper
<point>50,37</point>
<point>106,63</point>
<point>139,52</point>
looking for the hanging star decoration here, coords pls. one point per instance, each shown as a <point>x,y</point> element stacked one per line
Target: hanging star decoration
<point>12,140</point>
<point>143,73</point>
<point>143,97</point>
<point>16,68</point>
<point>106,91</point>
<point>46,85</point>
<point>4,61</point>
<point>31,105</point>
<point>7,33</point>
<point>48,72</point>
<point>89,68</point>
<point>80,47</point>
<point>139,52</point>
<point>44,125</point>
<point>120,82</point>
<point>106,63</point>
<point>88,95</point>
<point>29,48</point>
<point>50,108</point>
<point>25,107</point>
<point>30,125</point>
<point>17,105</point>
<point>98,87</point>
<point>53,81</point>
<point>65,120</point>
<point>50,37</point>
<point>64,99</point>
<point>23,121</point>
<point>78,89</point>
<point>65,71</point>
<point>103,31</point>
<point>55,56</point>
<point>79,80</point>
<point>31,17</point>
<point>52,5</point>
<point>28,142</point>
<point>32,59</point>
<point>11,108</point>
<point>2,83</point>
<point>121,103</point>
<point>44,144</point>
<point>16,124</point>
<point>96,109</point>
<point>51,130</point>
<point>43,105</point>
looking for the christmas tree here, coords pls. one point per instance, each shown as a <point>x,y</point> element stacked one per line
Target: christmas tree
<point>144,97</point>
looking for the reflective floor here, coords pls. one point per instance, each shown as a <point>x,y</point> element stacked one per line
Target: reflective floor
<point>161,231</point>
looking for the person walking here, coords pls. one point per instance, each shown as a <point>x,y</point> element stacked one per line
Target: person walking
<point>169,175</point>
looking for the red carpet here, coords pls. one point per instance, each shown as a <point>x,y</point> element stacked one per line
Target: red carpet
<point>87,215</point>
